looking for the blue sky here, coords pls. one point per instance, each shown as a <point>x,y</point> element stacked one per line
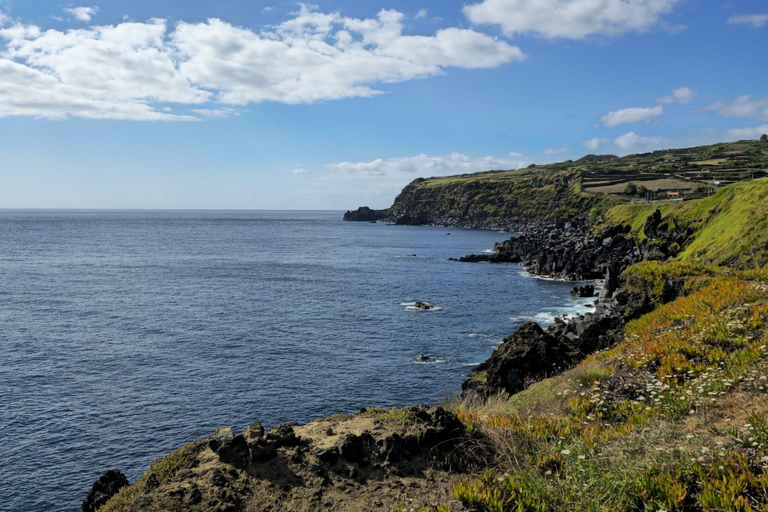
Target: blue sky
<point>251,104</point>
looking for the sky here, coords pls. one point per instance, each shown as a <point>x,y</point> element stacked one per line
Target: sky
<point>271,104</point>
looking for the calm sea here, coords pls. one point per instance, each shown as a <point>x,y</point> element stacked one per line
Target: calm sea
<point>125,334</point>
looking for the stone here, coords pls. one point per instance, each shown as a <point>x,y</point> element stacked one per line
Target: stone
<point>103,489</point>
<point>283,435</point>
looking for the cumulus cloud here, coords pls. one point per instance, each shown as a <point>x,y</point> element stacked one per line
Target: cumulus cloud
<point>594,143</point>
<point>634,142</point>
<point>84,14</point>
<point>421,14</point>
<point>755,20</point>
<point>216,113</point>
<point>630,115</point>
<point>424,165</point>
<point>123,71</point>
<point>683,96</point>
<point>570,19</point>
<point>741,107</point>
<point>746,133</point>
<point>299,171</point>
<point>555,151</point>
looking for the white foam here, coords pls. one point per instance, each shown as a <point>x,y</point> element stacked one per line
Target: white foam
<point>433,308</point>
<point>411,306</point>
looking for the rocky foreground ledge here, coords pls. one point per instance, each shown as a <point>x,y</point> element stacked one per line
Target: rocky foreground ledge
<point>376,459</point>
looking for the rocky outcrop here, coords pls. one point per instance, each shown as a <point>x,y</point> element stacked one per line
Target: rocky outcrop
<point>566,250</point>
<point>365,214</point>
<point>103,489</point>
<point>371,460</point>
<point>587,290</point>
<point>534,353</point>
<point>529,355</point>
<point>488,203</point>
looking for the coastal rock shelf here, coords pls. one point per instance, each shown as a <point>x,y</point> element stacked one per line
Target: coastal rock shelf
<point>372,460</point>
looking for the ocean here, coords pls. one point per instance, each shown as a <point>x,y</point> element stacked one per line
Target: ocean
<point>124,334</point>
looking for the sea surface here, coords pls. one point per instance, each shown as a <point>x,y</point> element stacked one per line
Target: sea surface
<point>125,334</point>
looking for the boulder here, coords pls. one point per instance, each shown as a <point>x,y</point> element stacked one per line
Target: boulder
<point>230,448</point>
<point>587,290</point>
<point>103,489</point>
<point>529,355</point>
<point>283,435</point>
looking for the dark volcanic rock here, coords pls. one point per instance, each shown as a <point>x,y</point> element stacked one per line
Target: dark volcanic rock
<point>529,355</point>
<point>567,250</point>
<point>587,290</point>
<point>365,214</point>
<point>354,448</point>
<point>230,448</point>
<point>103,489</point>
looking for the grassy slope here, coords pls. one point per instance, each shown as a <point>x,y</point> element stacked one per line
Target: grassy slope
<point>731,226</point>
<point>538,192</point>
<point>673,418</point>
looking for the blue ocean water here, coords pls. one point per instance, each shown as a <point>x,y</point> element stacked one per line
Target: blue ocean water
<point>125,334</point>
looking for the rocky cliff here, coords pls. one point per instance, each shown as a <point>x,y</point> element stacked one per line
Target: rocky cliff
<point>489,200</point>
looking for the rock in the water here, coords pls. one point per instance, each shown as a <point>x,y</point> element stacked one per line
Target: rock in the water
<point>422,359</point>
<point>103,489</point>
<point>365,214</point>
<point>587,290</point>
<point>424,306</point>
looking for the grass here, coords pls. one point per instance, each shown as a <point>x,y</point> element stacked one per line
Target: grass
<point>163,469</point>
<point>633,428</point>
<point>662,184</point>
<point>730,227</point>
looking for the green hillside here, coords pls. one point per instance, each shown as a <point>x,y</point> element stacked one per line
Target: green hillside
<point>590,186</point>
<point>731,226</point>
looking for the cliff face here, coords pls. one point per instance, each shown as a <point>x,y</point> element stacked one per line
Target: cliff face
<point>489,200</point>
<point>589,186</point>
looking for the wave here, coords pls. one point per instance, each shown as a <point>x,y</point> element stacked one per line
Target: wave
<point>432,361</point>
<point>475,335</point>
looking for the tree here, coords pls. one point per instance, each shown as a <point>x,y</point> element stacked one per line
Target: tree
<point>641,190</point>
<point>764,137</point>
<point>631,189</point>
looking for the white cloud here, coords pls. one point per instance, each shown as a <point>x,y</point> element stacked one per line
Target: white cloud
<point>630,115</point>
<point>741,107</point>
<point>556,151</point>
<point>216,113</point>
<point>130,67</point>
<point>756,20</point>
<point>634,142</point>
<point>421,14</point>
<point>746,133</point>
<point>425,166</point>
<point>84,14</point>
<point>299,171</point>
<point>683,96</point>
<point>570,19</point>
<point>594,143</point>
